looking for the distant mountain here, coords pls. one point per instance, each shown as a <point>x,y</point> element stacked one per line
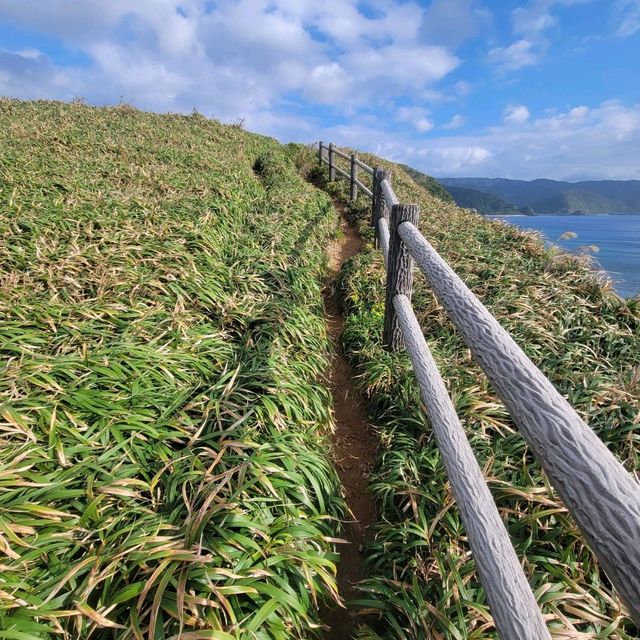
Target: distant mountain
<point>555,196</point>
<point>580,201</point>
<point>484,203</point>
<point>429,183</point>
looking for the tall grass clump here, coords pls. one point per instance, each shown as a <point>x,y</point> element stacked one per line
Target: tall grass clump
<point>422,579</point>
<point>163,418</point>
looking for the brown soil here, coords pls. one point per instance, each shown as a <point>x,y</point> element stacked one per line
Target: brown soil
<point>353,447</point>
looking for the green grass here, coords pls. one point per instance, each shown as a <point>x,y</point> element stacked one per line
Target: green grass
<point>422,580</point>
<point>163,420</point>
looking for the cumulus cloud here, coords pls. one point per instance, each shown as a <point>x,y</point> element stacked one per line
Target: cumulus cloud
<point>578,114</point>
<point>416,117</point>
<point>516,114</point>
<point>577,144</point>
<point>521,53</point>
<point>272,61</point>
<point>229,59</point>
<point>459,157</point>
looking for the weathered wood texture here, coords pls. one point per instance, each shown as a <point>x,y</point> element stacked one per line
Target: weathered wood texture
<point>354,178</point>
<point>351,175</point>
<point>602,496</point>
<point>341,154</point>
<point>513,606</point>
<point>399,272</point>
<point>364,189</point>
<point>342,172</point>
<point>379,209</point>
<point>332,169</point>
<point>364,166</point>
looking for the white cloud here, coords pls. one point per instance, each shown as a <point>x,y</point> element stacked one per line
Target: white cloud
<point>374,76</point>
<point>533,19</point>
<point>537,16</point>
<point>459,158</point>
<point>452,22</point>
<point>627,17</point>
<point>623,124</point>
<point>406,65</point>
<point>455,122</point>
<point>232,59</point>
<point>530,24</point>
<point>328,84</point>
<point>578,114</point>
<point>30,74</point>
<point>516,114</point>
<point>416,117</point>
<point>520,54</point>
<point>248,58</point>
<point>601,143</point>
<point>578,144</point>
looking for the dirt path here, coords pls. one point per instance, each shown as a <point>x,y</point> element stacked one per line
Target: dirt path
<point>353,447</point>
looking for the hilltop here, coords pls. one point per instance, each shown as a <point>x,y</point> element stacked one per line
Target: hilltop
<point>166,422</point>
<point>553,196</point>
<point>163,421</point>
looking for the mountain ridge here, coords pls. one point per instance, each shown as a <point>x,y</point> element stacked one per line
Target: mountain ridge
<point>545,196</point>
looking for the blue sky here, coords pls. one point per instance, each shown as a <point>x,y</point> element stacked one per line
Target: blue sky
<point>544,88</point>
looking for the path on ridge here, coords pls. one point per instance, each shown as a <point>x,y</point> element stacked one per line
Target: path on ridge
<point>354,443</point>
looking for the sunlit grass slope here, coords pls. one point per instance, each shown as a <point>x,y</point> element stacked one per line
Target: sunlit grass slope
<point>162,459</point>
<point>422,581</point>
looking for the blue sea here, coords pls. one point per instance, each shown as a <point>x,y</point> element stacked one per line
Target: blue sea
<point>616,236</point>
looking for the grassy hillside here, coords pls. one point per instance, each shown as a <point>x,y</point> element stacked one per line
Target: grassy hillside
<point>164,464</point>
<point>483,203</point>
<point>422,580</point>
<point>428,183</point>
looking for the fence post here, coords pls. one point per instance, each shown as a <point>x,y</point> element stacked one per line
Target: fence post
<point>354,177</point>
<point>399,272</point>
<point>379,208</point>
<point>320,152</point>
<point>332,171</point>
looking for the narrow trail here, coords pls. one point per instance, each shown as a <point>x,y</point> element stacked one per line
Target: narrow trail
<point>354,444</point>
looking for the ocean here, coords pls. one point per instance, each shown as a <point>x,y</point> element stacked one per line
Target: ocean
<point>616,236</point>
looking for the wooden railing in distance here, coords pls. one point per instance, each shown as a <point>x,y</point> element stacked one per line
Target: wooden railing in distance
<point>354,164</point>
<point>601,495</point>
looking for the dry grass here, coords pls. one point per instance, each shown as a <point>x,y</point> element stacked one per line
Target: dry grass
<point>163,470</point>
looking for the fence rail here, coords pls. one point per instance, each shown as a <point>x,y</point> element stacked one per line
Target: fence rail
<point>603,498</point>
<point>352,175</point>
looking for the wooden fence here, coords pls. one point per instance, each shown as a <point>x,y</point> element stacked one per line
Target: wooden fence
<point>603,498</point>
